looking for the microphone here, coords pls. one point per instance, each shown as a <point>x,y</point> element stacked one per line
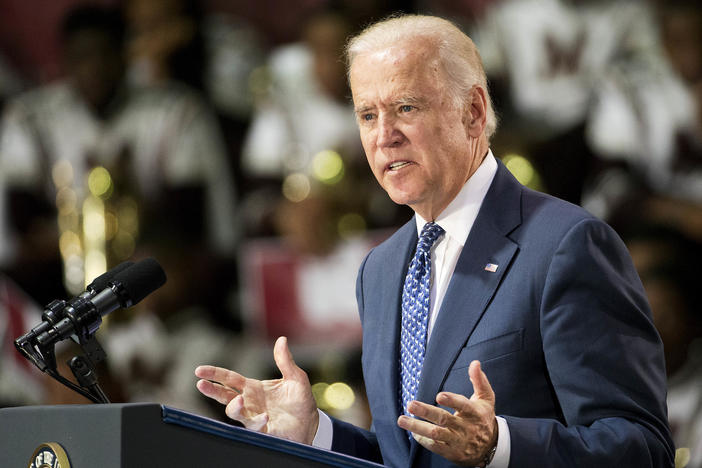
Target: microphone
<point>101,282</point>
<point>83,314</point>
<point>54,311</point>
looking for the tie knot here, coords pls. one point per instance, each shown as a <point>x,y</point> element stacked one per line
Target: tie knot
<point>430,233</point>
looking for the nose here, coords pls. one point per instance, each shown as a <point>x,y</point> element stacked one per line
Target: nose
<point>388,133</point>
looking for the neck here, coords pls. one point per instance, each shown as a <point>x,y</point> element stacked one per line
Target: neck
<point>432,210</point>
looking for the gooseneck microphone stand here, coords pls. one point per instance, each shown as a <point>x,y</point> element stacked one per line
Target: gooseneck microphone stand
<point>79,320</point>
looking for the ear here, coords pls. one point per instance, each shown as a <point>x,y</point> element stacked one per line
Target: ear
<point>475,116</point>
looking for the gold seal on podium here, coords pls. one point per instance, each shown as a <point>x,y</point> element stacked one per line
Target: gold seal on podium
<point>49,455</point>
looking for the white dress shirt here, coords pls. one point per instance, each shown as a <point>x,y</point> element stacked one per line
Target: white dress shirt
<point>457,220</point>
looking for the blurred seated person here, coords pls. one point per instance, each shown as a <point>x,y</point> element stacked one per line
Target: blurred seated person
<point>179,40</point>
<point>550,59</point>
<point>305,108</point>
<point>160,147</point>
<point>650,125</point>
<point>303,121</point>
<point>165,41</point>
<point>210,51</point>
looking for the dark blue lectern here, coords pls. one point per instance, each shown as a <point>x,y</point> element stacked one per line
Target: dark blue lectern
<point>145,435</point>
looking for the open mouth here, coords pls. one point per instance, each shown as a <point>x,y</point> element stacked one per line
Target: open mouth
<point>398,165</point>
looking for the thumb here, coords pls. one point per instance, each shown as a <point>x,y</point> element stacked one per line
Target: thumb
<point>482,390</point>
<point>283,358</point>
<point>258,422</point>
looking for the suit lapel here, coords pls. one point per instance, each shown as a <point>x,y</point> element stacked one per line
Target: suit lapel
<point>472,285</point>
<point>468,294</point>
<point>386,336</point>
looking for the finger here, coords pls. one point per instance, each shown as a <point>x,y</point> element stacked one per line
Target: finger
<point>423,428</point>
<point>235,411</point>
<point>431,413</point>
<point>438,447</point>
<point>216,391</point>
<point>283,358</point>
<point>456,402</point>
<point>258,422</point>
<point>223,376</point>
<point>482,389</point>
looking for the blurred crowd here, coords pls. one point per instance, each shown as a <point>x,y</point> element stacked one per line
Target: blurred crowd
<point>219,138</point>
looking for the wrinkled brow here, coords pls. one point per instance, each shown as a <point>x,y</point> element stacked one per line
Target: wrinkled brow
<point>401,101</point>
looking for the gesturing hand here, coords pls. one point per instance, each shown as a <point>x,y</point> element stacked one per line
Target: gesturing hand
<point>465,436</point>
<point>284,407</point>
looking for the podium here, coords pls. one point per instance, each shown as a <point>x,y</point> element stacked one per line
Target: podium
<point>136,435</point>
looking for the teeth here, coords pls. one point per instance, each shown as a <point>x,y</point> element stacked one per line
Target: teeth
<point>397,165</point>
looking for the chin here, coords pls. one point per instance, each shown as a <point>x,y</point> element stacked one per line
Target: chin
<point>401,198</point>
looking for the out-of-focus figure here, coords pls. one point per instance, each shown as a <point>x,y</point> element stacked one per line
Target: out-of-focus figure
<point>96,171</point>
<point>650,124</point>
<point>165,42</point>
<point>303,146</point>
<point>180,40</point>
<point>212,51</point>
<point>114,165</point>
<point>549,62</point>
<point>306,109</point>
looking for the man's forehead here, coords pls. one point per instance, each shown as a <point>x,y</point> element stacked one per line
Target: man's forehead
<point>397,73</point>
<point>412,50</point>
<point>393,54</point>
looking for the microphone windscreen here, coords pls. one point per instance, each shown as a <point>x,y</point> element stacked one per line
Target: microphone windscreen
<point>101,282</point>
<point>141,279</point>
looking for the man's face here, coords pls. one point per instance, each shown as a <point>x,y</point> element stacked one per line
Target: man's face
<point>417,142</point>
<point>95,65</point>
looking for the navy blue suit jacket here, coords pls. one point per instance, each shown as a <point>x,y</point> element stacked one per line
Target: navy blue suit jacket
<point>562,328</point>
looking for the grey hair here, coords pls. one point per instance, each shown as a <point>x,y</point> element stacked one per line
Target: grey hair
<point>458,54</point>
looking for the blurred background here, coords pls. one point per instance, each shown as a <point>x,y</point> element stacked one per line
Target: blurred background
<point>218,137</point>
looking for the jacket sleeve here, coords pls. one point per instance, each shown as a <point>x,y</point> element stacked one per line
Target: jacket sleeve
<point>355,441</point>
<point>604,359</point>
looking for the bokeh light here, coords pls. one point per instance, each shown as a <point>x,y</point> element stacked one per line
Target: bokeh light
<point>93,220</point>
<point>296,187</point>
<point>62,174</point>
<point>328,167</point>
<point>95,264</point>
<point>100,182</point>
<point>111,225</point>
<point>74,273</point>
<point>70,244</point>
<point>66,200</point>
<point>339,396</point>
<point>523,170</point>
<point>318,391</point>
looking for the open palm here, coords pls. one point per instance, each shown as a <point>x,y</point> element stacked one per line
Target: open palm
<point>283,407</point>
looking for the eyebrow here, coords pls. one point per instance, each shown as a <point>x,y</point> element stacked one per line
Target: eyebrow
<point>407,100</point>
<point>362,109</point>
<point>394,103</point>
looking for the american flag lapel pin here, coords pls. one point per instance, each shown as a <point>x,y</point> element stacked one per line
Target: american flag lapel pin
<point>491,267</point>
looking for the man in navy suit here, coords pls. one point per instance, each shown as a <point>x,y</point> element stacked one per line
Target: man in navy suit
<point>540,348</point>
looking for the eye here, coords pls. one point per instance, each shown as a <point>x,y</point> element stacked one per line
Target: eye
<point>367,117</point>
<point>406,108</point>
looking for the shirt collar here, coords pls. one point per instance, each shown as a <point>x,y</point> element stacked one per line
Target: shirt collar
<point>458,217</point>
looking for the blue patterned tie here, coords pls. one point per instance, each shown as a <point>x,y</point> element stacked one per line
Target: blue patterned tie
<point>415,312</point>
